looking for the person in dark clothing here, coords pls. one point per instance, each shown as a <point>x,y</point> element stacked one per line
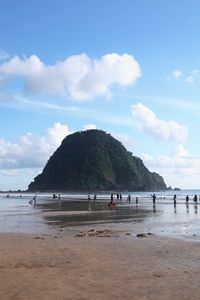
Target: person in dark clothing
<point>174,198</point>
<point>154,198</point>
<point>195,198</point>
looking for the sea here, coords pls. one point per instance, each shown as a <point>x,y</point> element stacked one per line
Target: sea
<point>19,213</point>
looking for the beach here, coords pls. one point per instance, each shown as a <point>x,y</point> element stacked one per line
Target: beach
<point>79,250</point>
<point>101,262</point>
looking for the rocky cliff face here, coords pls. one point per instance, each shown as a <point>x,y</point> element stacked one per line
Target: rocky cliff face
<point>94,160</point>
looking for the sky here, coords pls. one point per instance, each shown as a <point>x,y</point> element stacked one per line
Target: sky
<point>128,67</point>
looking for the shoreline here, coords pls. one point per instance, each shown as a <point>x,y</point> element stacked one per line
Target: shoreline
<point>62,265</point>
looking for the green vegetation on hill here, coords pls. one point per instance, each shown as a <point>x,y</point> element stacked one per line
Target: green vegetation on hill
<point>94,160</point>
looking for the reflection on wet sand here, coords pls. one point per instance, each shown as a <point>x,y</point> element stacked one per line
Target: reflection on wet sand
<point>187,208</point>
<point>175,211</point>
<point>195,208</point>
<point>96,212</point>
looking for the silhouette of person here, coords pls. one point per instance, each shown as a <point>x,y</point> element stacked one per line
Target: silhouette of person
<point>111,203</point>
<point>195,198</point>
<point>154,198</point>
<point>129,198</point>
<point>187,199</point>
<point>174,198</point>
<point>33,201</point>
<point>136,200</point>
<point>111,197</point>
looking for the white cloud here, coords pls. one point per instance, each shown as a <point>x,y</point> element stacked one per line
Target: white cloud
<point>78,77</point>
<point>149,123</point>
<point>179,168</point>
<point>89,126</point>
<point>32,151</point>
<point>176,74</point>
<point>57,133</point>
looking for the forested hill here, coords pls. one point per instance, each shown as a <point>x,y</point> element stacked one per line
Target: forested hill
<point>94,160</point>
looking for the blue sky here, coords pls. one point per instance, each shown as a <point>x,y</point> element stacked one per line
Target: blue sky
<point>128,67</point>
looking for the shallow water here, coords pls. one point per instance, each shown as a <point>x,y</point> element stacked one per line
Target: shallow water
<point>183,221</point>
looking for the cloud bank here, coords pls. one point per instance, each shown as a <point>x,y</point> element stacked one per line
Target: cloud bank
<point>179,166</point>
<point>149,123</point>
<point>78,77</point>
<point>31,151</point>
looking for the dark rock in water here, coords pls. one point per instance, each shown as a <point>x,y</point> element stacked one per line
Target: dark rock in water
<point>177,189</point>
<point>94,160</point>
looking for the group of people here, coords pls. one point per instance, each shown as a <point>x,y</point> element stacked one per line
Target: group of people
<point>195,199</point>
<point>119,197</point>
<point>90,197</point>
<point>56,196</point>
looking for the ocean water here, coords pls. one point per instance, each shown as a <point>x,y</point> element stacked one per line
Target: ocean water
<point>163,218</point>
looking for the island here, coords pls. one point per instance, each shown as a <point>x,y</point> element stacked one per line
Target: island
<point>93,160</point>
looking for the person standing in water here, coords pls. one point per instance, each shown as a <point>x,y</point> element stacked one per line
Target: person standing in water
<point>154,198</point>
<point>195,198</point>
<point>174,198</point>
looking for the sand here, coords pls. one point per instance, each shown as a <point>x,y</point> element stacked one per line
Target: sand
<point>104,263</point>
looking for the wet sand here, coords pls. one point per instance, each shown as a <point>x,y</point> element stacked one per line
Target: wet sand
<point>101,262</point>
